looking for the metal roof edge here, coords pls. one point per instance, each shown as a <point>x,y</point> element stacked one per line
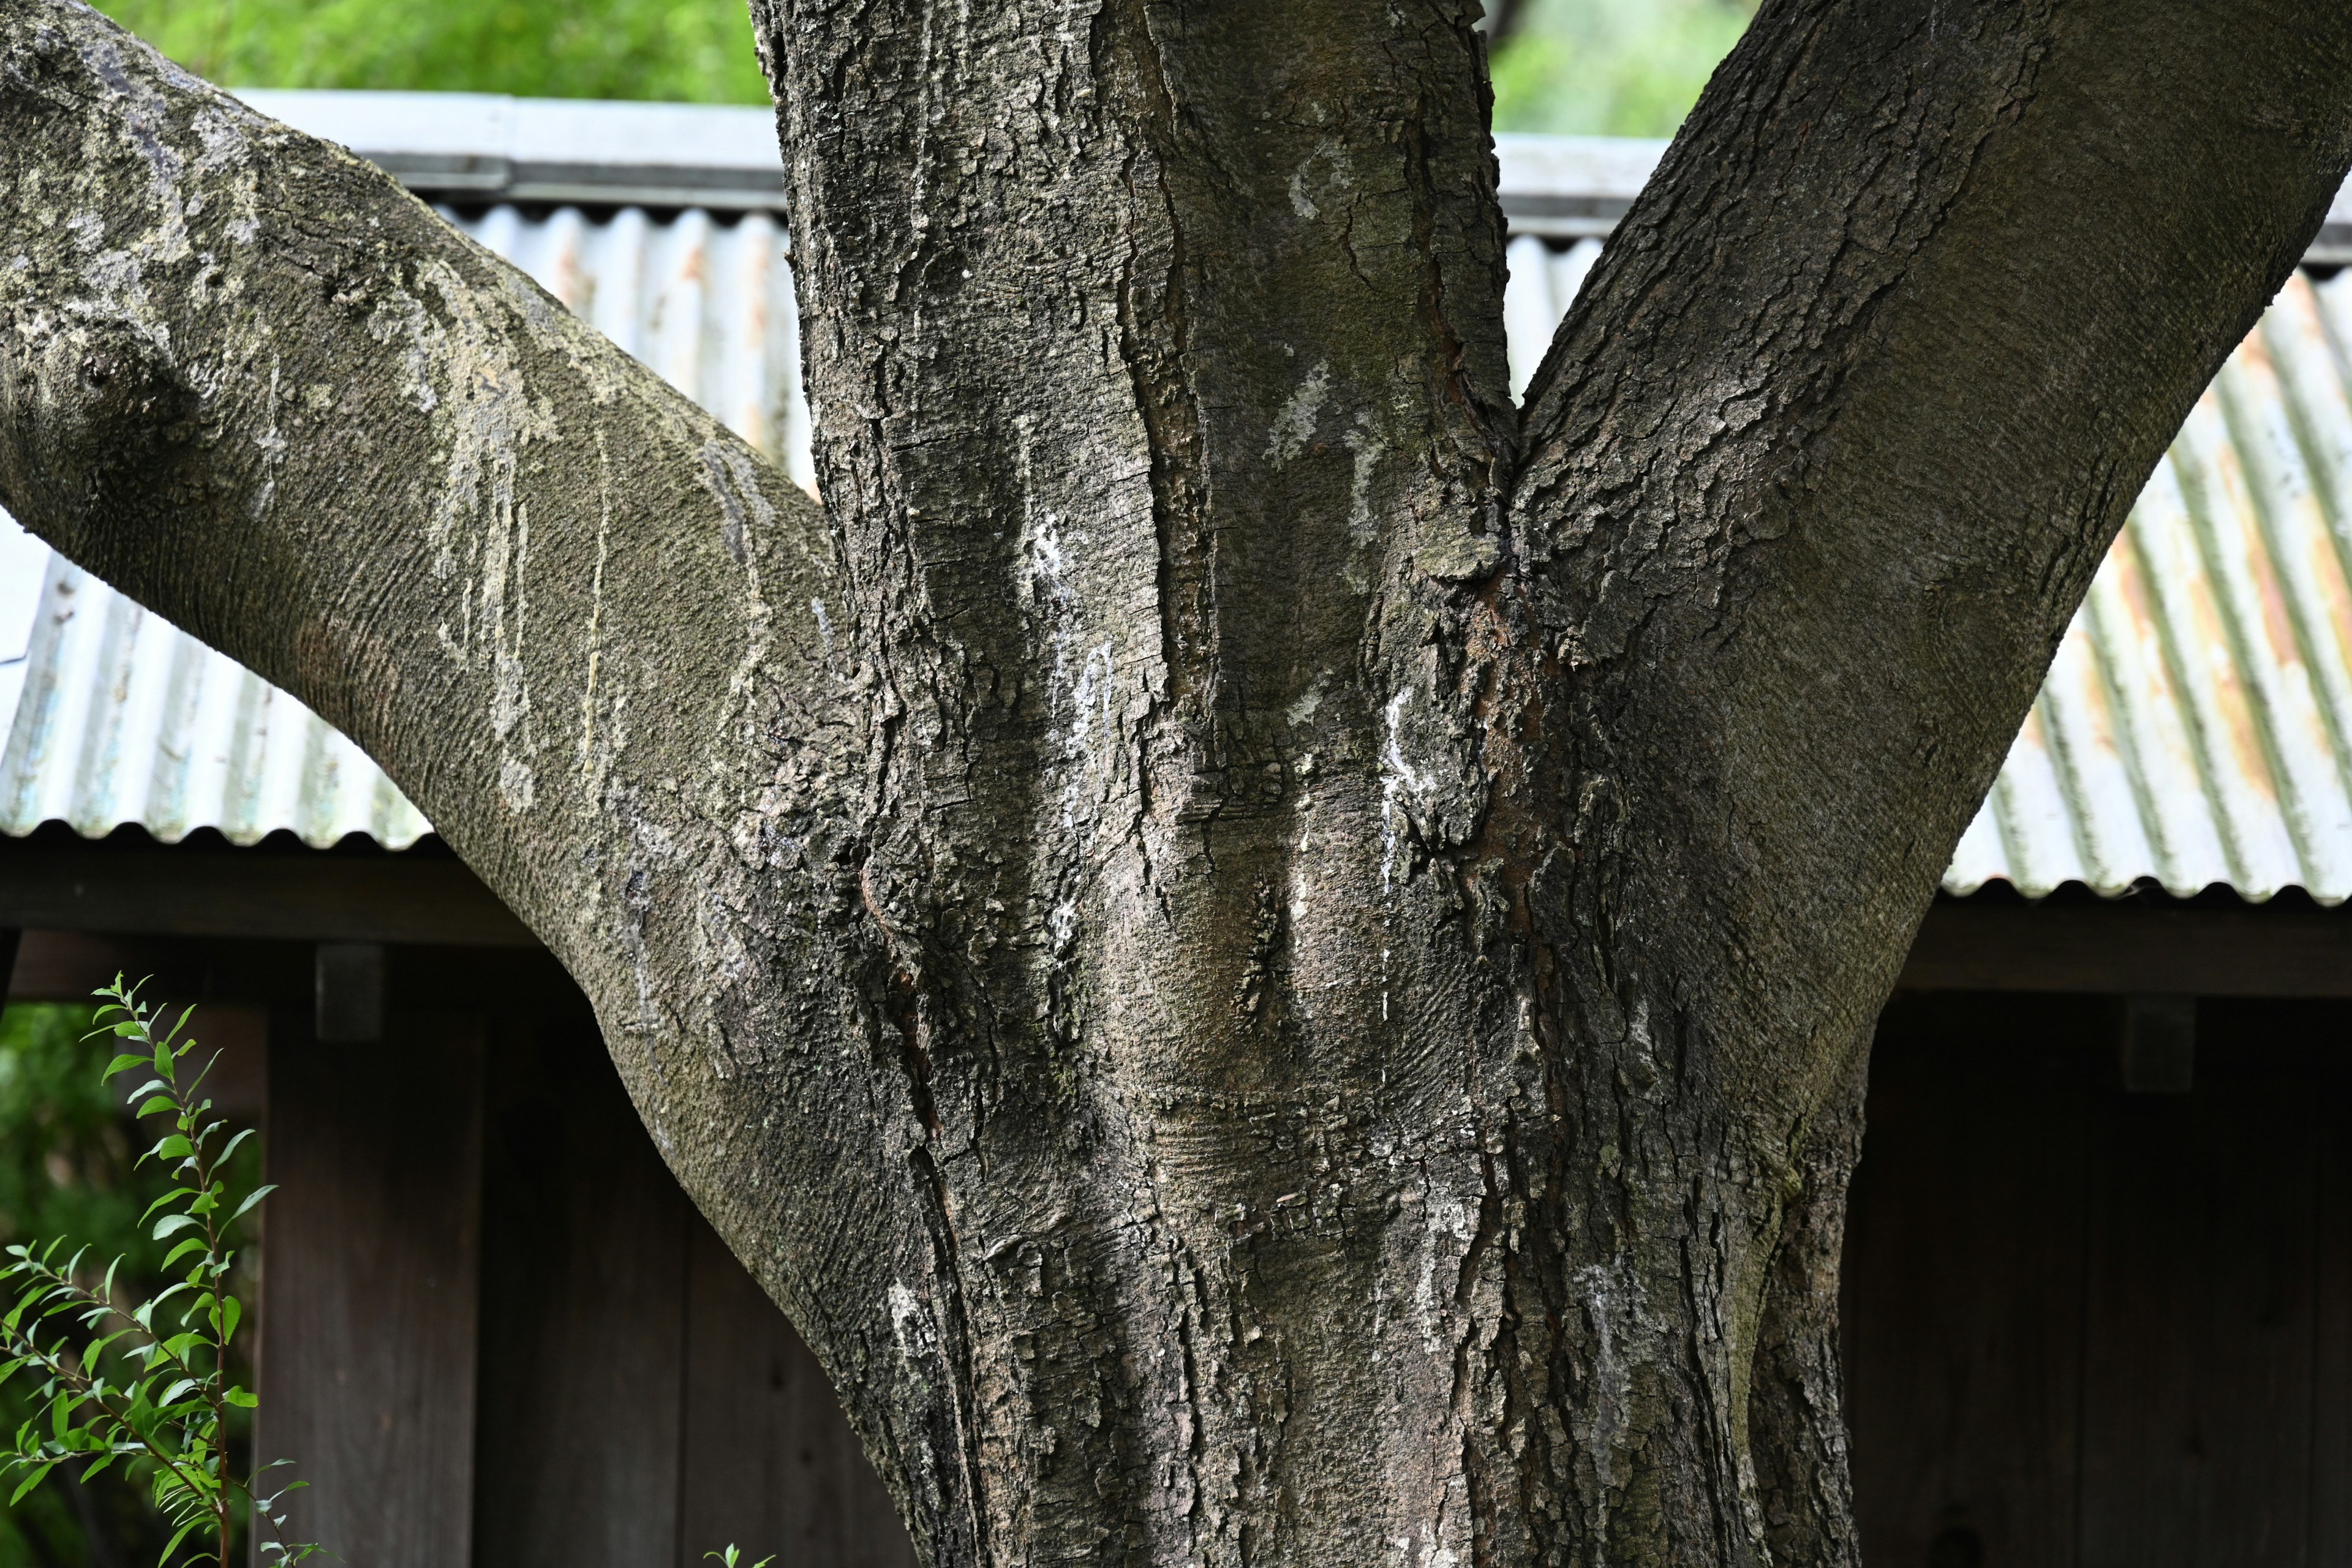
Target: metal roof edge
<point>492,147</point>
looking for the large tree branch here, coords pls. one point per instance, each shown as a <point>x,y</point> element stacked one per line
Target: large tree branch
<point>1817,470</point>
<point>248,379</point>
<point>268,394</point>
<point>1827,452</point>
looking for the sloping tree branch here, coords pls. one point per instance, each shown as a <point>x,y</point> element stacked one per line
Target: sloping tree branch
<point>1264,975</point>
<point>1818,469</point>
<point>266,393</point>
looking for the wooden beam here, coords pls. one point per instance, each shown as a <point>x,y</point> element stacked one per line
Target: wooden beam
<point>163,890</point>
<point>369,1316</point>
<point>2121,950</point>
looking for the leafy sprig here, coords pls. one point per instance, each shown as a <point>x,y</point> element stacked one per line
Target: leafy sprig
<point>147,1385</point>
<point>731,1557</point>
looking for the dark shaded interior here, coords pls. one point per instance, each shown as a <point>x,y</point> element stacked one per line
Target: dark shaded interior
<point>2088,1326</point>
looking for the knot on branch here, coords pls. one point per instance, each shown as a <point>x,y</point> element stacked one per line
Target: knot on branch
<point>101,430</point>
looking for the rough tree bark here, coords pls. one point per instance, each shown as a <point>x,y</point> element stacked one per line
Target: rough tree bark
<point>1271,955</point>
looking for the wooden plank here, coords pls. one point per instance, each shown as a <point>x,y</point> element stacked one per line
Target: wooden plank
<point>1963,1279</point>
<point>583,1310</point>
<point>770,1463</point>
<point>235,1043</point>
<point>2198,1371</point>
<point>305,896</point>
<point>371,1252</point>
<point>2116,949</point>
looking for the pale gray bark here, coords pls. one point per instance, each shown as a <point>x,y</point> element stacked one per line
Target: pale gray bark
<point>1272,967</point>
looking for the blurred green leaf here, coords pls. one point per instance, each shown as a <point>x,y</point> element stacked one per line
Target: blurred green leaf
<point>1611,67</point>
<point>35,1478</point>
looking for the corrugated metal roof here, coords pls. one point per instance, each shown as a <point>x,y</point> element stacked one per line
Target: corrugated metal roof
<point>121,718</point>
<point>111,715</point>
<point>2196,728</point>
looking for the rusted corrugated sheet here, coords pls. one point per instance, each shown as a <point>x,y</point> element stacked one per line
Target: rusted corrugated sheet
<point>2194,728</point>
<point>111,715</point>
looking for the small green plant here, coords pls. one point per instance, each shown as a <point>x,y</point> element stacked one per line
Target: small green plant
<point>729,1557</point>
<point>146,1385</point>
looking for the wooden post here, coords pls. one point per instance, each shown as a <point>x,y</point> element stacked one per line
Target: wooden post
<point>369,1283</point>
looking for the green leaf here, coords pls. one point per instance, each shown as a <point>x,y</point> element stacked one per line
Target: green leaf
<point>123,1063</point>
<point>173,1544</point>
<point>230,1311</point>
<point>173,1224</point>
<point>241,1399</point>
<point>252,1198</point>
<point>35,1478</point>
<point>156,1102</point>
<point>192,1244</point>
<point>173,1146</point>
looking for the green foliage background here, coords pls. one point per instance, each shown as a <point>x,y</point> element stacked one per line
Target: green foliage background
<point>1611,67</point>
<point>690,50</point>
<point>66,1156</point>
<point>1620,67</point>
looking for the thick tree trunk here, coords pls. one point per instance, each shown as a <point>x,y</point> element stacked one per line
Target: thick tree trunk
<point>1271,957</point>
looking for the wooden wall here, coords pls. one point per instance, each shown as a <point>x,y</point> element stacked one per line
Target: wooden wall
<point>2098,1328</point>
<point>2084,1327</point>
<point>504,1335</point>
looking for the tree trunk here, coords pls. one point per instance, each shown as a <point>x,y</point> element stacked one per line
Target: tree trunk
<point>1270,955</point>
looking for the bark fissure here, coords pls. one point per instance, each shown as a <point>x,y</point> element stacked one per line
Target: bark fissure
<point>1272,955</point>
